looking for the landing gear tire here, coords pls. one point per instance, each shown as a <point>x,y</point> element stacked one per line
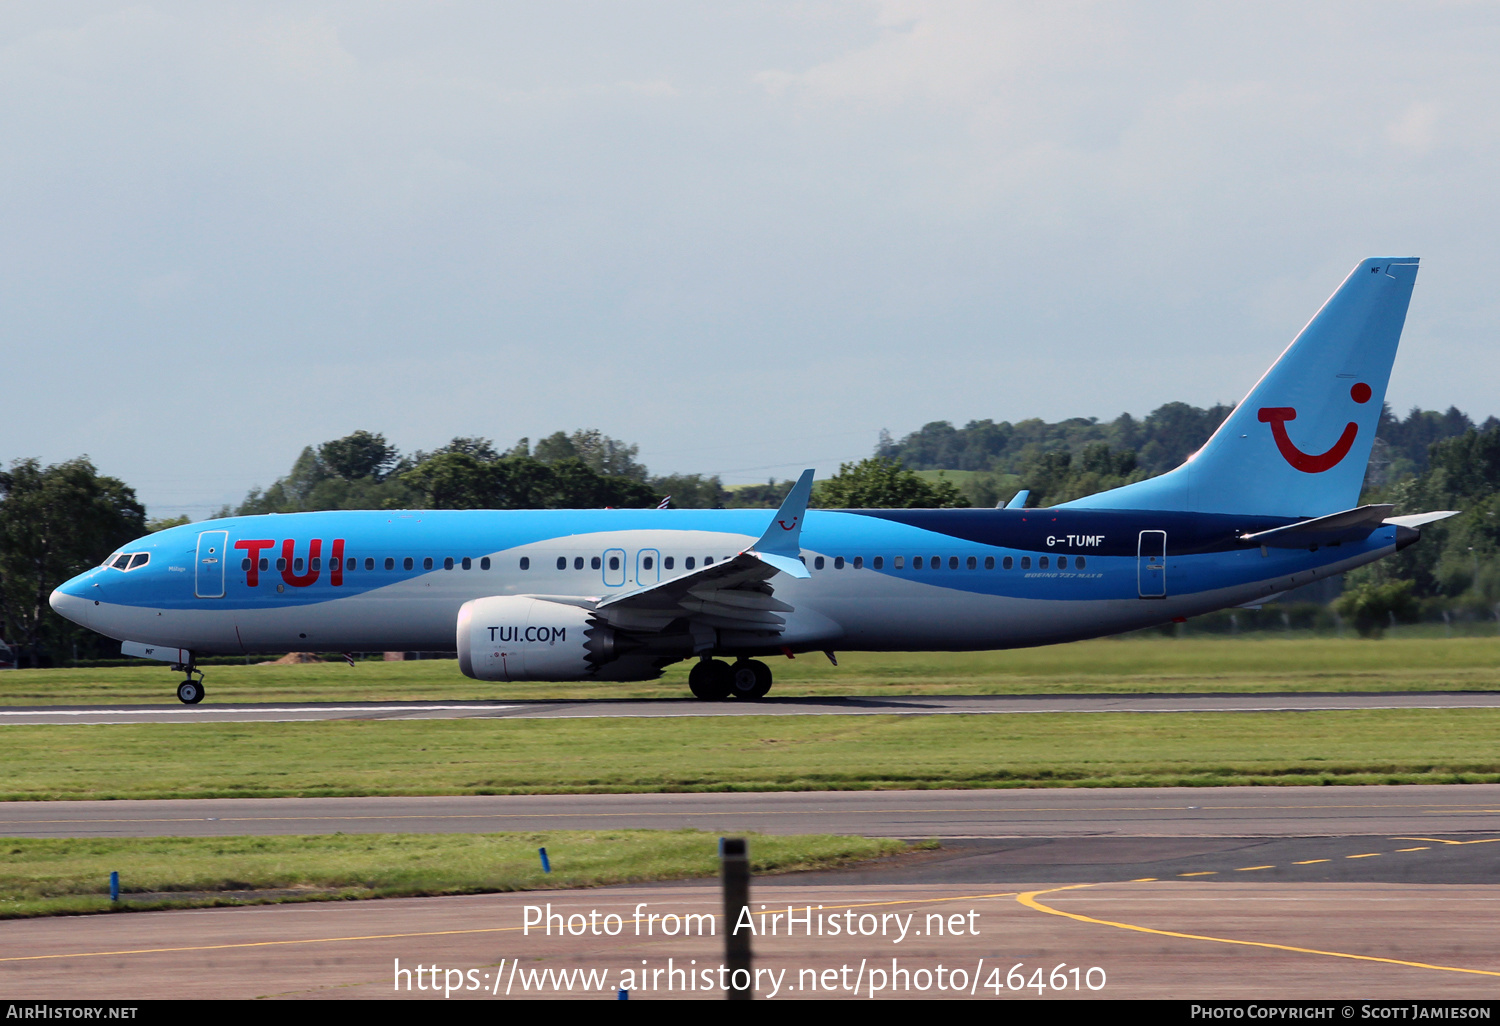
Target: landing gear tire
<point>711,680</point>
<point>750,679</point>
<point>190,692</point>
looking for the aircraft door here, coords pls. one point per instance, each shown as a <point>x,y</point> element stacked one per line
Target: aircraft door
<point>647,567</point>
<point>208,582</point>
<point>614,568</point>
<point>1151,564</point>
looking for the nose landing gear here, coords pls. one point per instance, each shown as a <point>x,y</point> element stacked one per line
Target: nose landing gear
<point>190,691</point>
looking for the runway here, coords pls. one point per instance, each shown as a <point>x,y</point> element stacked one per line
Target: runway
<point>982,813</point>
<point>283,712</point>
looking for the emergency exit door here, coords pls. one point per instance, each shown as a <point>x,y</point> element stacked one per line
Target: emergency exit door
<point>1151,564</point>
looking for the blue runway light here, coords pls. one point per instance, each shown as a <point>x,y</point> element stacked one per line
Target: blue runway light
<point>546,866</point>
<point>114,886</point>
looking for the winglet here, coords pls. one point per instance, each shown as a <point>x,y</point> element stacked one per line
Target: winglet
<point>1018,500</point>
<point>781,545</point>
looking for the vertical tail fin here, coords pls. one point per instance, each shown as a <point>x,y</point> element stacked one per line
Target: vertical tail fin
<point>1299,442</point>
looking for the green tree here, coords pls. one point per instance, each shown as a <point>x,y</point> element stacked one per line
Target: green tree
<point>880,483</point>
<point>358,471</point>
<point>691,491</point>
<point>356,456</point>
<point>1373,606</point>
<point>757,496</point>
<point>162,523</point>
<point>608,457</point>
<point>1055,477</point>
<point>55,523</point>
<point>460,480</point>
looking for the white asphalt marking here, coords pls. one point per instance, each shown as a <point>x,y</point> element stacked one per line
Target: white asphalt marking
<point>256,709</point>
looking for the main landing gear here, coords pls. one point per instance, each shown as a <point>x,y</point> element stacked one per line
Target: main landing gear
<point>190,691</point>
<point>713,679</point>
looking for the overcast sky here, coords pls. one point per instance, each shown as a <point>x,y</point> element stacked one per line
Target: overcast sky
<point>746,236</point>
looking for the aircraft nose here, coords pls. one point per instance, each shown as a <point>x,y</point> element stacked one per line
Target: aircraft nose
<point>66,602</point>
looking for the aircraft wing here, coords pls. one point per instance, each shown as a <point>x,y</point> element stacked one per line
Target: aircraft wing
<point>733,595</point>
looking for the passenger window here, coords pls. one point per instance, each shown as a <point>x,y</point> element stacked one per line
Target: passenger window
<point>859,562</point>
<point>370,563</point>
<point>297,565</point>
<point>447,562</point>
<point>484,564</point>
<point>390,563</point>
<point>667,562</point>
<point>879,562</point>
<point>263,562</point>
<point>1008,563</point>
<point>408,563</point>
<point>525,562</point>
<point>1078,563</point>
<point>562,562</point>
<point>1042,563</point>
<point>317,563</point>
<point>245,563</point>
<point>427,563</point>
<point>1025,562</point>
<point>817,562</point>
<point>937,562</point>
<point>1062,562</point>
<point>614,562</point>
<point>708,560</point>
<point>577,562</point>
<point>989,562</point>
<point>595,564</point>
<point>916,562</point>
<point>648,562</point>
<point>690,562</point>
<point>351,564</point>
<point>900,562</point>
<point>838,562</point>
<point>952,562</point>
<point>467,564</point>
<point>973,563</point>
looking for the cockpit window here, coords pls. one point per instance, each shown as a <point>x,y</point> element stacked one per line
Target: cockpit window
<point>121,561</point>
<point>139,559</point>
<point>128,560</point>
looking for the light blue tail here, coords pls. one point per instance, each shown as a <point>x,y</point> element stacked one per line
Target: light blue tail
<point>1298,444</point>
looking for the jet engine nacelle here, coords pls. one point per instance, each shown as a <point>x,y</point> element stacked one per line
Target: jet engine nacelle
<point>515,638</point>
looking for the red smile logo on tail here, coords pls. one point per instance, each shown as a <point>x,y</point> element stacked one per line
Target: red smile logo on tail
<point>1312,463</point>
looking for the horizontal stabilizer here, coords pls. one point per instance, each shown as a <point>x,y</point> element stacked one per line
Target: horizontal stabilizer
<point>1349,525</point>
<point>1416,520</point>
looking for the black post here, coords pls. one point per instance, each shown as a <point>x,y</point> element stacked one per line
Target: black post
<point>734,858</point>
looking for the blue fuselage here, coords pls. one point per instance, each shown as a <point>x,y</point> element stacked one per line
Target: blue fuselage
<point>880,579</point>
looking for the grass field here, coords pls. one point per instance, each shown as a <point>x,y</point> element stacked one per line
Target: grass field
<point>59,877</point>
<point>1144,662</point>
<point>410,757</point>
